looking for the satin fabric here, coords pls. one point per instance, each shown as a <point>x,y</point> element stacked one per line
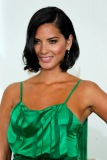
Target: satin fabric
<point>52,133</point>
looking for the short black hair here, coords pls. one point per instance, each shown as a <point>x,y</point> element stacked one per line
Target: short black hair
<point>63,23</point>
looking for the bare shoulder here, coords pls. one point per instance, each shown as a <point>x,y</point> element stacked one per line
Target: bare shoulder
<point>10,94</point>
<point>93,89</point>
<point>91,93</point>
<point>89,87</point>
<point>12,89</point>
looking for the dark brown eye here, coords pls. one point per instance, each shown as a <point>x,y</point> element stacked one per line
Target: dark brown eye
<point>53,41</point>
<point>36,42</point>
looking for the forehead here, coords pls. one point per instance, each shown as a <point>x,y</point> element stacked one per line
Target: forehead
<point>47,29</point>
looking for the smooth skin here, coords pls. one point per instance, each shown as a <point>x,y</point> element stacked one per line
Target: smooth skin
<point>51,86</point>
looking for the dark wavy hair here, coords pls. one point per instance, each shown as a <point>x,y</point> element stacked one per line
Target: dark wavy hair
<point>63,23</point>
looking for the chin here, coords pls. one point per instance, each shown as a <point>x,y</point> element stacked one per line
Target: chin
<point>49,66</point>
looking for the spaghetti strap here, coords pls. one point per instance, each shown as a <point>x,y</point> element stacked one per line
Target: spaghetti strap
<point>72,90</point>
<point>21,91</point>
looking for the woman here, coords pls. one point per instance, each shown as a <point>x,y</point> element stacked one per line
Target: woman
<point>45,117</point>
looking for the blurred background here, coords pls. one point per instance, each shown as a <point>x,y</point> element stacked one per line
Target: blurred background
<point>90,22</point>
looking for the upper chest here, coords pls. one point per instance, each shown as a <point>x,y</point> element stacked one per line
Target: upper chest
<point>43,96</point>
<point>38,97</point>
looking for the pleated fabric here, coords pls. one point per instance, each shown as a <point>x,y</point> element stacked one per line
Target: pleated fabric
<point>52,133</point>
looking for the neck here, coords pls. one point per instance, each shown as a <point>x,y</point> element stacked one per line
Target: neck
<point>49,76</point>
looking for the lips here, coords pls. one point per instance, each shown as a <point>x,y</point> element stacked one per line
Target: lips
<point>46,59</point>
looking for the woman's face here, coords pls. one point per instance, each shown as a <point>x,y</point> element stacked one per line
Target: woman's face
<point>50,46</point>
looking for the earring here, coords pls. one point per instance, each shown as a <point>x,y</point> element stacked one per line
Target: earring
<point>68,55</point>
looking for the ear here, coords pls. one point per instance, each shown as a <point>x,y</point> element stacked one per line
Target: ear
<point>69,42</point>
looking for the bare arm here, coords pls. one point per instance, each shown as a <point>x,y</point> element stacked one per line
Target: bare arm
<point>98,99</point>
<point>5,109</point>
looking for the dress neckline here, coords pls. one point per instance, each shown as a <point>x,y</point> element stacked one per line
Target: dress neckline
<point>45,109</point>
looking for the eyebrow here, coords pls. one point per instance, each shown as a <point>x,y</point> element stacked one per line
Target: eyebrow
<point>52,38</point>
<point>48,38</point>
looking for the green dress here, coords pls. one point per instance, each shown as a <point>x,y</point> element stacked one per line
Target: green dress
<point>54,133</point>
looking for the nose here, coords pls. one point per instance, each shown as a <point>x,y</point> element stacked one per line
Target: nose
<point>44,48</point>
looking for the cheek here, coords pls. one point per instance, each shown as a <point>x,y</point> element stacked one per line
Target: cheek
<point>60,49</point>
